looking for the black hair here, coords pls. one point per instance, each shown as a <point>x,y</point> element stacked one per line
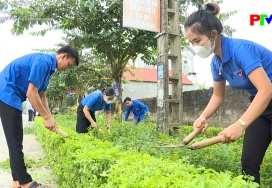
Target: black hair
<point>109,91</point>
<point>204,20</point>
<point>127,99</point>
<point>70,51</point>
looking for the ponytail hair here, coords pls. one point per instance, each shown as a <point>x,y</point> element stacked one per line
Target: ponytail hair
<point>204,20</point>
<point>210,7</point>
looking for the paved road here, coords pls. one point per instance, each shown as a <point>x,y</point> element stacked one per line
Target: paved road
<point>32,149</point>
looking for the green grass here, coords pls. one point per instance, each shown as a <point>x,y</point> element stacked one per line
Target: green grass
<point>30,162</point>
<point>29,130</point>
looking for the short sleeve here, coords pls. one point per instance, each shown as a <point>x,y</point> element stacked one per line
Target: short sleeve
<point>39,72</point>
<point>44,88</point>
<point>248,56</point>
<point>108,107</point>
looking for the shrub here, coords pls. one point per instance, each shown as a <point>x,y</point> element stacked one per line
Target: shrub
<point>82,160</point>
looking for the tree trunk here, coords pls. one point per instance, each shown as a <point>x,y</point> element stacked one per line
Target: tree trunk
<point>80,95</point>
<point>119,102</point>
<point>51,105</point>
<point>60,104</point>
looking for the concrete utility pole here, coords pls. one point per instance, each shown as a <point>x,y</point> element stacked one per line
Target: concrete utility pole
<point>169,48</point>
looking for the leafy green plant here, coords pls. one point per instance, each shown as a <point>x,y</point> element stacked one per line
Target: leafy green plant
<point>90,160</point>
<point>202,86</point>
<point>144,137</point>
<point>5,164</point>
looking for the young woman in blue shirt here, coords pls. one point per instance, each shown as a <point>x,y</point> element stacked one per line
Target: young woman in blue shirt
<point>245,65</point>
<point>89,105</point>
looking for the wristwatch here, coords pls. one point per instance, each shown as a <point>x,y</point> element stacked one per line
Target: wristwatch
<point>242,123</point>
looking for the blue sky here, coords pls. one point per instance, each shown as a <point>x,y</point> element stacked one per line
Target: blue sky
<point>12,47</point>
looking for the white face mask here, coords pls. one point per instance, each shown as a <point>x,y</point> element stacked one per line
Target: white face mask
<point>206,50</point>
<point>106,100</point>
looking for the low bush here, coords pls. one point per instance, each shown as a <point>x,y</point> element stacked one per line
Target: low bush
<point>121,159</point>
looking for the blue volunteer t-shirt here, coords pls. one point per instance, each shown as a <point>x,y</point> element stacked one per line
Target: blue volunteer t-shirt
<point>15,77</point>
<point>240,57</point>
<point>95,102</point>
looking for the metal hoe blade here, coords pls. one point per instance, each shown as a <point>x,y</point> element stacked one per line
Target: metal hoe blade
<point>172,146</point>
<point>186,140</point>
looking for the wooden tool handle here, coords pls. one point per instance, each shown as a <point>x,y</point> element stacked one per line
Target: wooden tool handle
<point>191,136</point>
<point>206,142</point>
<point>61,133</point>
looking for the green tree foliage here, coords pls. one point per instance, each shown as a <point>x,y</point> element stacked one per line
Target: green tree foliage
<point>222,16</point>
<point>91,24</point>
<point>97,26</point>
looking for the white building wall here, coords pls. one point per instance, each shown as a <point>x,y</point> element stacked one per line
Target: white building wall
<point>141,90</point>
<point>187,60</point>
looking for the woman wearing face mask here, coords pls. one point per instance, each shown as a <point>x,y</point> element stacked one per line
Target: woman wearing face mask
<point>245,65</point>
<point>91,103</point>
